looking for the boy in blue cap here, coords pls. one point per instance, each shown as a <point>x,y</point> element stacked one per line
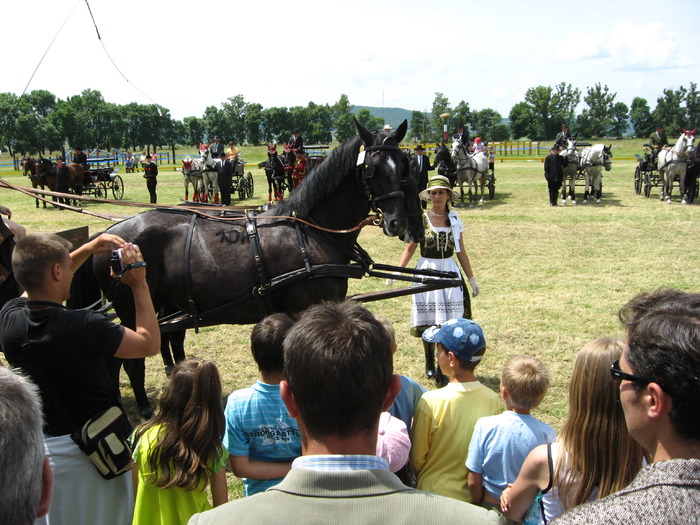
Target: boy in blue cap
<point>444,419</point>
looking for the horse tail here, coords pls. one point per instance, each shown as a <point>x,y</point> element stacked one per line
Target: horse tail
<point>85,289</point>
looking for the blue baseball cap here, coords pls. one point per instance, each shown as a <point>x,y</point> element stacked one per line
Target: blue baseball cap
<point>461,336</point>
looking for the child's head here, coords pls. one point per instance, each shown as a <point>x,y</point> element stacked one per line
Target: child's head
<point>389,328</point>
<point>463,337</point>
<point>526,379</point>
<point>193,426</point>
<point>195,386</point>
<point>266,342</point>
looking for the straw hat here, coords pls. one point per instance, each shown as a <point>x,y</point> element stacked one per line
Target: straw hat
<point>435,182</point>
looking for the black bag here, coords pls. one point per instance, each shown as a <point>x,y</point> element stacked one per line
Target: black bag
<point>104,439</point>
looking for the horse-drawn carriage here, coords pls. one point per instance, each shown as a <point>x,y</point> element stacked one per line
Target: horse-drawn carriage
<point>585,168</point>
<point>678,169</point>
<point>99,179</point>
<point>242,183</point>
<point>461,166</point>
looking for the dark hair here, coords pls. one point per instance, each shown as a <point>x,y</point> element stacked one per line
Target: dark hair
<point>34,254</point>
<point>663,335</point>
<point>266,342</point>
<point>338,363</point>
<point>192,420</point>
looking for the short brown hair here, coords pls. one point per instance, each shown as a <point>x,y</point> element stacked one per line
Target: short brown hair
<point>34,254</point>
<point>527,379</point>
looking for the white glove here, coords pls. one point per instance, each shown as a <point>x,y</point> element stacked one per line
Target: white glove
<point>390,282</point>
<point>474,285</point>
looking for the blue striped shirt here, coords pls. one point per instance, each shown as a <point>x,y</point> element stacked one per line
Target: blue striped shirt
<point>339,462</point>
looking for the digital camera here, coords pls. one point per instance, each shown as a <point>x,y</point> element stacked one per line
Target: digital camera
<point>116,260</point>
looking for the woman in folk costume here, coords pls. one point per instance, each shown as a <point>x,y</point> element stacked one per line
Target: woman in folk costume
<point>443,239</point>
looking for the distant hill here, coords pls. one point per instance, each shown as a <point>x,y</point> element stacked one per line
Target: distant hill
<point>392,116</point>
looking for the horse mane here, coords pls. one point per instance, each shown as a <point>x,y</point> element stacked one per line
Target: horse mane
<point>323,181</point>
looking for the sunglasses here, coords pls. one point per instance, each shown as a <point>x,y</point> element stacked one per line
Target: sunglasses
<point>616,373</point>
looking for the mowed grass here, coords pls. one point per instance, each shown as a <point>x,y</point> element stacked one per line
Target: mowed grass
<point>551,279</point>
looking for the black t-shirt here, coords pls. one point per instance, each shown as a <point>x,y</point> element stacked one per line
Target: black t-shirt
<point>72,348</point>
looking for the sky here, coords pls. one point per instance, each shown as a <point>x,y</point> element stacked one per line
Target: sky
<point>187,55</point>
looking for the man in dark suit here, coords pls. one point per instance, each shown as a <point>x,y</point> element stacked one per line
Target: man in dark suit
<point>419,168</point>
<point>338,378</point>
<point>217,148</point>
<point>296,141</point>
<point>463,136</point>
<point>224,179</point>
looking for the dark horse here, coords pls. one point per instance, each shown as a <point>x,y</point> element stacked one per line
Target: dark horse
<point>276,175</point>
<point>238,271</point>
<point>444,163</point>
<point>44,176</point>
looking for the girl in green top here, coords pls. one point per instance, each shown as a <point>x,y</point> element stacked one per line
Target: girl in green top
<point>179,452</point>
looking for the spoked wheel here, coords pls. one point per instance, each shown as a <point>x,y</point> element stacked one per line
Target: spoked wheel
<point>241,188</point>
<point>117,187</point>
<point>647,185</point>
<point>638,180</point>
<point>249,186</point>
<point>101,190</point>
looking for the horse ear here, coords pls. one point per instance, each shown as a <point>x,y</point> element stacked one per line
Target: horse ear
<point>364,133</point>
<point>401,131</point>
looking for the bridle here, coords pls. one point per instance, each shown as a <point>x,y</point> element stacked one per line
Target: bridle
<point>365,167</point>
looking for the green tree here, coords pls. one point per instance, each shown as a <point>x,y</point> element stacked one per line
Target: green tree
<point>641,118</point>
<point>277,123</point>
<point>620,114</point>
<point>522,121</point>
<point>194,130</point>
<point>670,112</point>
<point>365,118</point>
<point>253,123</point>
<point>500,132</point>
<point>214,123</point>
<point>419,126</point>
<point>485,121</point>
<point>344,125</point>
<point>233,113</point>
<point>549,108</point>
<point>441,105</point>
<point>600,115</point>
<point>462,116</point>
<point>692,106</point>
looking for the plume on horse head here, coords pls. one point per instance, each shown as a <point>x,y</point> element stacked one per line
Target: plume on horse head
<point>187,162</point>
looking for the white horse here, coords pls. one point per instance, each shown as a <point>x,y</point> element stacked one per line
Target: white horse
<point>593,160</point>
<point>673,163</point>
<point>210,177</point>
<point>192,170</point>
<point>470,167</point>
<point>571,170</point>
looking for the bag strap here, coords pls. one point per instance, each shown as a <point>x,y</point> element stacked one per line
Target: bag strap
<point>551,481</point>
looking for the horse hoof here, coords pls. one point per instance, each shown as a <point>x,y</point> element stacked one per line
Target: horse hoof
<point>684,201</point>
<point>573,201</point>
<point>585,201</point>
<point>668,201</point>
<point>563,201</point>
<point>599,201</point>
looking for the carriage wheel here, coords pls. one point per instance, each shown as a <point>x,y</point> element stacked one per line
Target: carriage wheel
<point>241,188</point>
<point>249,185</point>
<point>101,190</point>
<point>638,180</point>
<point>647,185</point>
<point>118,187</point>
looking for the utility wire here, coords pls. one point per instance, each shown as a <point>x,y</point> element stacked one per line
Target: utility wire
<point>112,61</point>
<point>47,49</point>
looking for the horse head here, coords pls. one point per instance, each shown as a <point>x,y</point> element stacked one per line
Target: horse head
<point>384,175</point>
<point>186,164</point>
<point>607,157</point>
<point>685,141</point>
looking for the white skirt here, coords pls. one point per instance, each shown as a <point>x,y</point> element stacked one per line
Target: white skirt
<point>80,495</point>
<point>437,306</point>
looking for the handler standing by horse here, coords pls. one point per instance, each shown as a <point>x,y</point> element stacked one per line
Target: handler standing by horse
<point>554,165</point>
<point>443,238</point>
<point>151,175</point>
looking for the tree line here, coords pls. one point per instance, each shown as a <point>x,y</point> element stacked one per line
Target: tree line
<point>38,122</point>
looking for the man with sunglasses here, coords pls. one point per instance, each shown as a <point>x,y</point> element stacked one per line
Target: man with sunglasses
<point>659,377</point>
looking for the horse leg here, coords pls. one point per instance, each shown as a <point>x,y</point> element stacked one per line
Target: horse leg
<point>683,189</point>
<point>572,187</point>
<point>563,191</point>
<point>586,187</point>
<point>597,184</point>
<point>483,183</point>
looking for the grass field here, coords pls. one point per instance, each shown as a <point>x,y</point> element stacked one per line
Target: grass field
<point>551,278</point>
